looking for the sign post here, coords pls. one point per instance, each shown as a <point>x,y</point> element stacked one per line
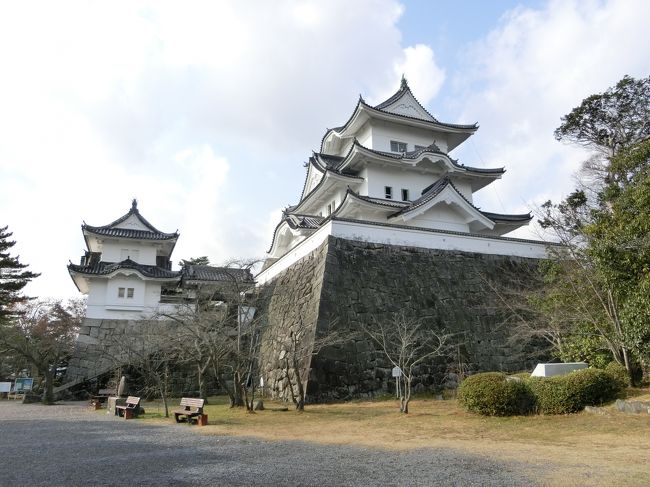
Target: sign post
<point>397,373</point>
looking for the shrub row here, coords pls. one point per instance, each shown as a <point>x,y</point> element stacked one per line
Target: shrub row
<point>496,394</point>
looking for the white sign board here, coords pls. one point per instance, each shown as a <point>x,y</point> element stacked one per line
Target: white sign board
<point>397,372</point>
<point>5,386</point>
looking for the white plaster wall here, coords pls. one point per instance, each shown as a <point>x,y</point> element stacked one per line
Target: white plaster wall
<point>132,222</point>
<point>97,292</point>
<point>364,135</point>
<point>298,252</point>
<point>440,217</point>
<point>139,292</point>
<point>112,251</point>
<point>104,303</point>
<point>378,177</point>
<point>404,236</point>
<point>335,197</point>
<point>383,132</point>
<point>463,187</point>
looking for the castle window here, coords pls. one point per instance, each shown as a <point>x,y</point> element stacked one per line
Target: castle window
<point>396,146</point>
<point>129,292</point>
<point>389,192</point>
<point>405,194</point>
<point>120,292</point>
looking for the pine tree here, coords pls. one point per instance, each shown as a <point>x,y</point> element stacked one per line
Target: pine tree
<point>13,277</point>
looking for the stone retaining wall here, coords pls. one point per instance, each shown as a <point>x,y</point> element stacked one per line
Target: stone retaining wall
<point>347,283</point>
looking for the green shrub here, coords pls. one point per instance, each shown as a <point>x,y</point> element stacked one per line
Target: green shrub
<point>491,394</point>
<point>593,386</point>
<point>619,374</point>
<point>572,392</point>
<point>553,395</point>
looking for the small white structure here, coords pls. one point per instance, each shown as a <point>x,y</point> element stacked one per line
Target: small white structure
<point>550,370</point>
<point>386,176</point>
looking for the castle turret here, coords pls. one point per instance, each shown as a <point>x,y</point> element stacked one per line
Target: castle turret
<point>125,267</point>
<point>386,176</point>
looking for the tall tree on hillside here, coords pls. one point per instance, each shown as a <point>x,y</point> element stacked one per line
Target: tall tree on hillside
<point>602,226</point>
<point>13,278</point>
<point>611,121</point>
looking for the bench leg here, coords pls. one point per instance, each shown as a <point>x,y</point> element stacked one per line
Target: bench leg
<point>128,414</point>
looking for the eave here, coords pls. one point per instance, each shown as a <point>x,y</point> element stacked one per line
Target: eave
<point>427,160</point>
<point>457,133</point>
<point>320,193</point>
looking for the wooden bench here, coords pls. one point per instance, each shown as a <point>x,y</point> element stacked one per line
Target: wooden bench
<point>101,397</point>
<point>130,409</point>
<point>191,408</point>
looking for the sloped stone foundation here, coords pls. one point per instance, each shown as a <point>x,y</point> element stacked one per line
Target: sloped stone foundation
<point>349,283</point>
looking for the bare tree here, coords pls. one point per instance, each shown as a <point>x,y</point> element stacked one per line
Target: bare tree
<point>219,331</point>
<point>298,347</point>
<point>148,347</point>
<point>407,342</point>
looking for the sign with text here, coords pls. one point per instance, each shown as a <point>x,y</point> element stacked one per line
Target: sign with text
<point>24,384</point>
<point>397,372</point>
<point>5,386</point>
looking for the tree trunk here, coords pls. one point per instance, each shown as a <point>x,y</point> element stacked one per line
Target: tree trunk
<point>300,404</point>
<point>222,383</point>
<point>238,398</point>
<point>48,392</point>
<point>407,395</point>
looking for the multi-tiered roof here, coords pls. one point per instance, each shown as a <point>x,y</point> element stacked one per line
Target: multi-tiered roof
<point>132,227</point>
<point>389,164</point>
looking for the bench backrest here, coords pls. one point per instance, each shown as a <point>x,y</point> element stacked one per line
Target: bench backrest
<point>132,401</point>
<point>192,402</point>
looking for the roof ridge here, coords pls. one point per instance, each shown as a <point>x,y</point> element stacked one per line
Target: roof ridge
<point>404,88</point>
<point>133,211</point>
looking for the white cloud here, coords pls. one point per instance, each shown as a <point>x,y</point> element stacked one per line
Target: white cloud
<point>203,111</point>
<point>532,69</point>
<point>418,65</point>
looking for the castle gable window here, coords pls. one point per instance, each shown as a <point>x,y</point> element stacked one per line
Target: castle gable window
<point>405,194</point>
<point>388,192</point>
<point>396,146</point>
<point>125,292</point>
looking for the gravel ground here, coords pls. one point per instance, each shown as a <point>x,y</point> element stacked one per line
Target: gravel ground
<point>67,445</point>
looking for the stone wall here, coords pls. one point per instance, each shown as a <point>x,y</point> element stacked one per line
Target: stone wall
<point>97,353</point>
<point>349,283</point>
<point>89,358</point>
<point>293,307</point>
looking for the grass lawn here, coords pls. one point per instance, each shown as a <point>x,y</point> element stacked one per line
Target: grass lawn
<point>586,449</point>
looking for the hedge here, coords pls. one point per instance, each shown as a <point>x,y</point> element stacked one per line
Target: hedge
<point>493,394</point>
<point>572,392</point>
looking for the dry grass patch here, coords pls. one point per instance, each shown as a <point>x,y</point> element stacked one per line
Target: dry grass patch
<point>586,449</point>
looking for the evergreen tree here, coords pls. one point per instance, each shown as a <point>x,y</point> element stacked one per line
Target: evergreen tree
<point>13,278</point>
<point>601,273</point>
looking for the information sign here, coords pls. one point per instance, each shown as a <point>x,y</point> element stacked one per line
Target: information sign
<point>5,386</point>
<point>23,385</point>
<point>397,372</point>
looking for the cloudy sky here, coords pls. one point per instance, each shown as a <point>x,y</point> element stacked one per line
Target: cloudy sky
<point>206,111</point>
